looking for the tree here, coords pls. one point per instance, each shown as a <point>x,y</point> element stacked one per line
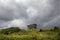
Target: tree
<point>32,26</point>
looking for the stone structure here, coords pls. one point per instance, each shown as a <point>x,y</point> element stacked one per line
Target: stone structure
<point>32,26</point>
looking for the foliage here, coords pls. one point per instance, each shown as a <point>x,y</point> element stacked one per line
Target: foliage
<point>56,28</point>
<point>32,26</point>
<point>10,30</point>
<point>20,34</point>
<point>40,30</point>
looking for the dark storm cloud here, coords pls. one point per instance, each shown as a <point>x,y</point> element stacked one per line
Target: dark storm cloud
<point>24,12</point>
<point>7,13</point>
<point>47,11</point>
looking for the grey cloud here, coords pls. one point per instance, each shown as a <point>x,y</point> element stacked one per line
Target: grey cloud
<point>41,12</point>
<point>53,22</point>
<point>46,12</point>
<point>9,13</point>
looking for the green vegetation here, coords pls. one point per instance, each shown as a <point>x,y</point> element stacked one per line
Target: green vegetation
<point>10,30</point>
<point>14,33</point>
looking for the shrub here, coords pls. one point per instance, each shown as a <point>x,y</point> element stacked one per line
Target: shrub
<point>10,30</point>
<point>56,28</point>
<point>40,30</point>
<point>59,34</point>
<point>51,29</point>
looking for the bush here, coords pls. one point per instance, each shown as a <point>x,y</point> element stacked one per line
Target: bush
<point>56,28</point>
<point>40,30</point>
<point>10,30</point>
<point>59,34</point>
<point>51,30</point>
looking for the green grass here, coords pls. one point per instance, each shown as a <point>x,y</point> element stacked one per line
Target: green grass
<point>31,35</point>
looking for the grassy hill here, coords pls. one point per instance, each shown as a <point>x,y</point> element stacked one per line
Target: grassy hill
<point>20,34</point>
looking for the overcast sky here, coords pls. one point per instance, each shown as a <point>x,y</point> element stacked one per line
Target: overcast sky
<point>44,13</point>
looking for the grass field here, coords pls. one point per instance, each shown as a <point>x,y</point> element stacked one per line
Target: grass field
<point>31,35</point>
